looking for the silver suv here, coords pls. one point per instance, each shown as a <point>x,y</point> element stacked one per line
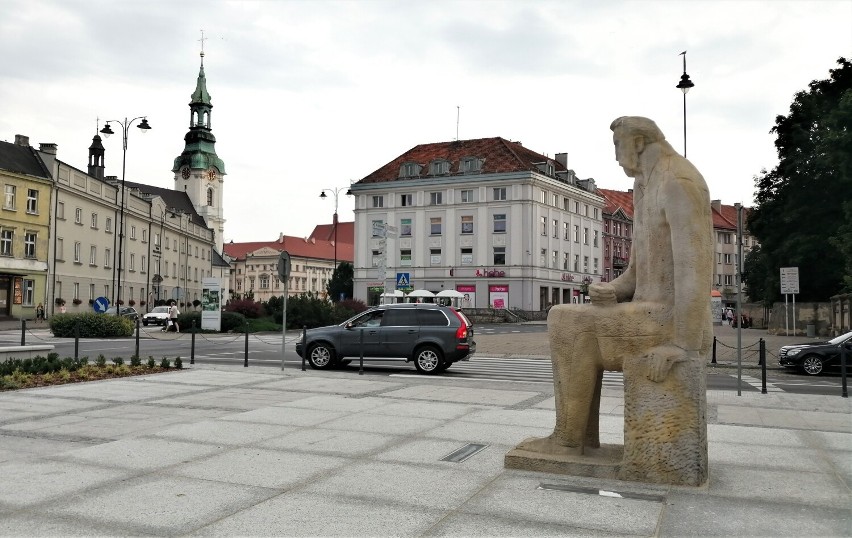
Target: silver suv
<point>431,335</point>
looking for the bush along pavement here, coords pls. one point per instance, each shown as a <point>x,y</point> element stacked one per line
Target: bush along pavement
<point>51,370</point>
<point>91,325</point>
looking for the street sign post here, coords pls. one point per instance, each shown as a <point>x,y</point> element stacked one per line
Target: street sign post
<point>789,286</point>
<point>284,276</point>
<point>101,305</point>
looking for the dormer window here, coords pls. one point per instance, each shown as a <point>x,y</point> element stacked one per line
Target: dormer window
<point>546,168</point>
<point>409,170</point>
<point>439,168</point>
<point>470,164</point>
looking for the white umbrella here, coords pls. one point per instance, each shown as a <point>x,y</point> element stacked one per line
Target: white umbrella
<point>453,294</point>
<point>421,293</point>
<point>394,293</point>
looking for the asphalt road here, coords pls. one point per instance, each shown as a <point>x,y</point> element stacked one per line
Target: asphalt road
<point>265,350</point>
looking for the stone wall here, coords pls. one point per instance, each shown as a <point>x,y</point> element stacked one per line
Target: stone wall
<point>816,314</point>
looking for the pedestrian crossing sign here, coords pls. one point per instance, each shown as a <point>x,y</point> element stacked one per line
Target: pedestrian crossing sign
<point>403,281</point>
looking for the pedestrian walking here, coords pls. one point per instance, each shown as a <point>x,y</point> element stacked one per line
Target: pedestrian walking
<point>40,313</point>
<point>173,316</point>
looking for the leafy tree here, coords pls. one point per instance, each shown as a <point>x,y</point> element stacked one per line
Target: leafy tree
<point>342,282</point>
<point>799,218</point>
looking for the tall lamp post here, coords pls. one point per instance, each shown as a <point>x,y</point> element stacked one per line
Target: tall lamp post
<point>125,129</point>
<point>180,215</point>
<point>336,192</point>
<point>684,85</point>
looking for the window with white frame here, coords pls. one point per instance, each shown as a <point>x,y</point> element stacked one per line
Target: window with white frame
<point>499,194</point>
<point>434,256</point>
<point>94,220</point>
<point>554,200</point>
<point>435,225</point>
<point>728,259</point>
<point>9,200</point>
<point>729,280</point>
<point>132,264</point>
<point>405,227</point>
<point>409,170</point>
<point>595,239</point>
<point>499,223</point>
<point>466,196</point>
<point>143,265</point>
<point>555,228</point>
<point>378,201</point>
<point>566,231</point>
<point>436,198</point>
<point>406,200</point>
<point>585,264</point>
<point>6,237</point>
<point>144,235</point>
<point>92,291</point>
<point>554,259</point>
<point>542,197</point>
<point>470,164</point>
<point>499,255</point>
<point>76,290</point>
<point>466,256</point>
<point>585,236</point>
<point>377,258</point>
<point>28,292</point>
<point>542,257</point>
<point>542,225</point>
<point>437,168</point>
<point>576,233</point>
<point>60,210</point>
<point>132,232</point>
<point>108,225</point>
<point>32,201</point>
<point>405,257</point>
<point>596,213</point>
<point>108,258</point>
<point>60,248</point>
<point>576,262</point>
<point>595,260</point>
<point>264,281</point>
<point>566,204</point>
<point>467,224</point>
<point>565,261</point>
<point>78,216</point>
<point>77,248</point>
<point>93,255</point>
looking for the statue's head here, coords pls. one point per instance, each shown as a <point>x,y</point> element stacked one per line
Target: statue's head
<point>631,134</point>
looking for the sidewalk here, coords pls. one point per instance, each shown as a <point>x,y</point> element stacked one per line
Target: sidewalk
<point>255,451</point>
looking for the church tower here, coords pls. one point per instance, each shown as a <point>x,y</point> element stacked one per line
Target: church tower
<point>96,158</point>
<point>198,170</point>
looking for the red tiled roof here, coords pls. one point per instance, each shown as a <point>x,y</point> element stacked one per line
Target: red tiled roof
<point>498,154</point>
<point>345,232</point>
<point>726,217</point>
<point>296,246</point>
<point>616,200</point>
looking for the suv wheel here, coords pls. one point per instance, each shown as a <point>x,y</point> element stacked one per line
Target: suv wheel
<point>812,365</point>
<point>321,356</point>
<point>427,360</point>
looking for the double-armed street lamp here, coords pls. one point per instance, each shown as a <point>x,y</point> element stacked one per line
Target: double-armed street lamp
<point>336,192</point>
<point>684,85</point>
<point>125,129</point>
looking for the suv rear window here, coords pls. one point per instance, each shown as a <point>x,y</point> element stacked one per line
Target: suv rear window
<point>432,317</point>
<point>399,317</point>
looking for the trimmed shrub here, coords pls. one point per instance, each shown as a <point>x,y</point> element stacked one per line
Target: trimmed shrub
<point>91,325</point>
<point>246,307</point>
<point>178,363</point>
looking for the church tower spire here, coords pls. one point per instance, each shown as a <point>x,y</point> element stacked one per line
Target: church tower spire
<point>198,170</point>
<point>96,157</point>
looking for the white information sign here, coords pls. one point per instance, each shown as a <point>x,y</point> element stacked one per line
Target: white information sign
<point>789,280</point>
<point>211,304</point>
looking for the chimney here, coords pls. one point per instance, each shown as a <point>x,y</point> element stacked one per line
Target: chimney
<point>280,237</point>
<point>21,140</point>
<point>716,204</point>
<point>49,148</point>
<point>562,158</point>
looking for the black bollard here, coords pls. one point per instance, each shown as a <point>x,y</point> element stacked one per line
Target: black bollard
<point>245,363</point>
<point>713,360</point>
<point>763,365</point>
<point>23,332</point>
<point>192,347</point>
<point>77,339</point>
<point>304,345</point>
<point>361,361</point>
<point>137,337</point>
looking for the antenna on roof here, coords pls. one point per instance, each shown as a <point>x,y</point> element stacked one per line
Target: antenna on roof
<point>458,113</point>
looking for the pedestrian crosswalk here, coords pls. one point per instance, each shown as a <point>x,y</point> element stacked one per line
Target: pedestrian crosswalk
<point>517,369</point>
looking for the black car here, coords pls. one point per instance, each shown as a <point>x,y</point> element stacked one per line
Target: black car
<point>813,357</point>
<point>431,335</point>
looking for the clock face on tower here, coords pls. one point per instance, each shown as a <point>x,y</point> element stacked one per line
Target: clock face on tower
<point>211,174</point>
<point>185,173</point>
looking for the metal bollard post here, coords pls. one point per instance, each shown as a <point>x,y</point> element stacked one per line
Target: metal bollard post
<point>192,346</point>
<point>304,345</point>
<point>713,360</point>
<point>77,339</point>
<point>137,336</point>
<point>245,363</point>
<point>361,361</point>
<point>763,365</point>
<point>844,356</point>
<point>23,332</point>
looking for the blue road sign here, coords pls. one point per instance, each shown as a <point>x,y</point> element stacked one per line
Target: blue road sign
<point>403,281</point>
<point>100,305</point>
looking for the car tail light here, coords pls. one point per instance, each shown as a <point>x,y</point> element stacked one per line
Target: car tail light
<point>461,332</point>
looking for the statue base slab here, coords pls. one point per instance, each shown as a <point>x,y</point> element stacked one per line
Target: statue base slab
<point>603,462</point>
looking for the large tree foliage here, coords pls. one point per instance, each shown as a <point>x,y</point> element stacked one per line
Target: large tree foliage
<point>342,282</point>
<point>799,217</point>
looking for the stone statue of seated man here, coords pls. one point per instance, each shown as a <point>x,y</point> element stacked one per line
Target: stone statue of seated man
<point>653,323</point>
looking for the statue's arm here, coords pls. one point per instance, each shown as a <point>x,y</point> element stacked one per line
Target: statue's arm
<point>686,204</point>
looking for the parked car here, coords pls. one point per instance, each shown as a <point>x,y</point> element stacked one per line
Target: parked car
<point>431,335</point>
<point>813,357</point>
<point>126,312</point>
<point>158,316</point>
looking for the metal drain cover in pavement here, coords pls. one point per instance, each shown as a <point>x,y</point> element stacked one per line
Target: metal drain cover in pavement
<point>602,492</point>
<point>463,453</point>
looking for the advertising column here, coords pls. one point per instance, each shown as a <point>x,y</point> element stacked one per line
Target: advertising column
<point>211,304</point>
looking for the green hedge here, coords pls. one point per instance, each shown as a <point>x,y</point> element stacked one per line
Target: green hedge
<point>231,321</point>
<point>91,325</point>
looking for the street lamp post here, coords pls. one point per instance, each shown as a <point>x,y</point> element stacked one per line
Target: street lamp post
<point>180,215</point>
<point>125,129</point>
<point>684,85</point>
<point>336,192</point>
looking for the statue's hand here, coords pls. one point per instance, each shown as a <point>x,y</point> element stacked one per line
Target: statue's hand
<point>602,293</point>
<point>661,359</point>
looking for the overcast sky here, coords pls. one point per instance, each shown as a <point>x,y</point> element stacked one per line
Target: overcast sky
<point>313,94</point>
